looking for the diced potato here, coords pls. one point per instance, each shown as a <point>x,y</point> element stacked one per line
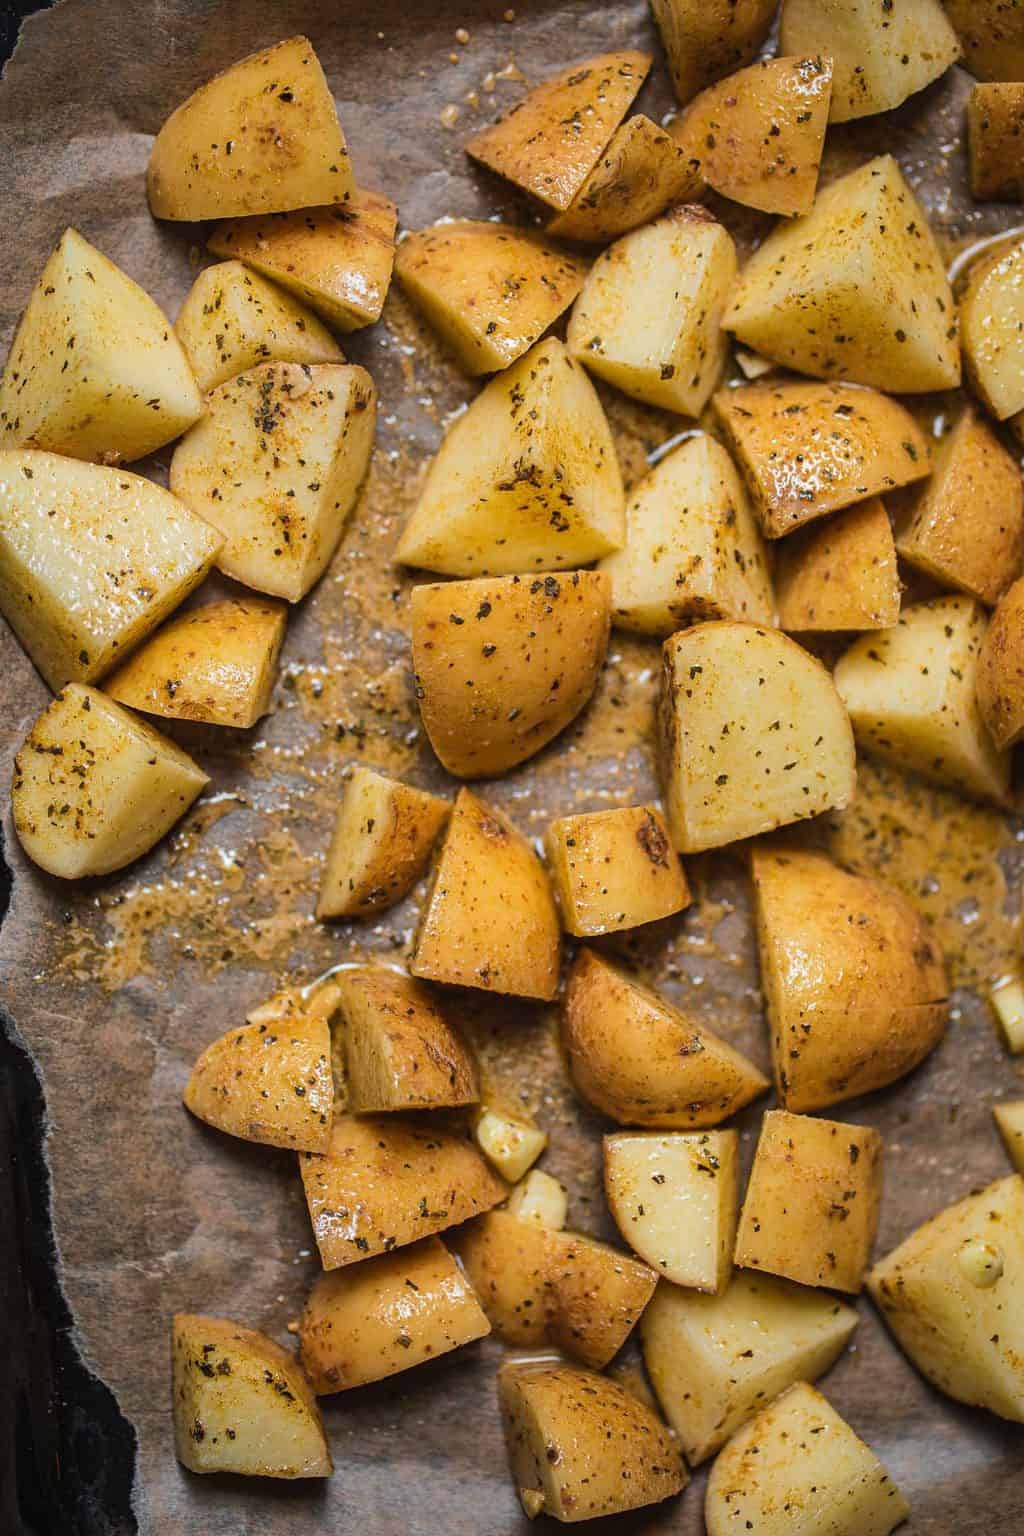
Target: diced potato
<point>798,1469</point>
<point>95,370</point>
<point>242,1403</point>
<point>614,870</point>
<point>95,787</point>
<point>839,573</point>
<point>1000,679</point>
<point>1009,1118</point>
<point>511,1143</point>
<point>715,1361</point>
<point>580,1446</point>
<point>318,1001</point>
<point>910,692</point>
<point>995,121</point>
<point>951,1293</point>
<point>641,172</point>
<point>811,1207</point>
<point>1007,998</point>
<point>336,260</point>
<point>489,290</point>
<point>649,318</point>
<point>490,919</point>
<point>541,1199</point>
<point>643,1062</point>
<point>73,609</point>
<point>526,479</point>
<point>878,61</point>
<point>991,320</point>
<point>992,36</point>
<point>808,449</point>
<point>753,735</point>
<point>400,1051</point>
<point>503,664</point>
<point>275,465</point>
<point>508,1265</point>
<point>693,549</point>
<point>549,142</point>
<point>598,1295</point>
<point>387,1315</point>
<point>856,290</point>
<point>261,136</point>
<point>383,834</point>
<point>752,365</point>
<point>706,39</point>
<point>675,1201</point>
<point>387,1180</point>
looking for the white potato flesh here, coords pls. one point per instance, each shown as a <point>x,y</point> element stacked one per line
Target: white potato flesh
<point>380,845</point>
<point>674,1199</point>
<point>1009,1118</point>
<point>540,1199</point>
<point>991,319</point>
<point>510,1144</point>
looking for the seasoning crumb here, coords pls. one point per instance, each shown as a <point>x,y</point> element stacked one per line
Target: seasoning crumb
<point>449,115</point>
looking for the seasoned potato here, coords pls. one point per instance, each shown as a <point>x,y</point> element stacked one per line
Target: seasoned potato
<point>614,870</point>
<point>275,465</point>
<point>336,260</point>
<point>526,479</point>
<point>502,665</point>
<point>992,35</point>
<point>839,573</point>
<point>877,62</point>
<point>643,1062</point>
<point>580,1445</point>
<point>995,119</point>
<point>72,608</point>
<point>94,370</point>
<point>1009,1118</point>
<point>490,919</point>
<point>951,1293</point>
<point>541,1199</point>
<point>95,787</point>
<point>383,834</point>
<point>242,1403</point>
<point>598,1295</point>
<point>400,1050</point>
<point>715,1361</point>
<point>641,172</point>
<point>706,39</point>
<point>811,1207</point>
<point>675,1200</point>
<point>856,290</point>
<point>1000,675</point>
<point>393,1312</point>
<point>737,758</point>
<point>693,549</point>
<point>489,290</point>
<point>508,1263</point>
<point>549,142</point>
<point>798,1469</point>
<point>649,317</point>
<point>1006,995</point>
<point>510,1141</point>
<point>910,692</point>
<point>808,449</point>
<point>991,320</point>
<point>261,136</point>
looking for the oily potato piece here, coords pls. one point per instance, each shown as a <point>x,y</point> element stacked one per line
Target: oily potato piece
<point>839,573</point>
<point>706,39</point>
<point>640,173</point>
<point>502,664</point>
<point>400,1051</point>
<point>242,1403</point>
<point>598,1295</point>
<point>1006,995</point>
<point>541,1199</point>
<point>509,1139</point>
<point>259,137</point>
<point>1009,1118</point>
<point>614,870</point>
<point>508,1264</point>
<point>383,834</point>
<point>995,119</point>
<point>1000,675</point>
<point>991,318</point>
<point>992,36</point>
<point>649,317</point>
<point>95,787</point>
<point>856,290</point>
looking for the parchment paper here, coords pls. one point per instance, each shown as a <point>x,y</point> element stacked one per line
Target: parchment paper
<point>117,984</point>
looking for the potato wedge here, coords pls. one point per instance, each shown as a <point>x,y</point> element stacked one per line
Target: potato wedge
<point>808,449</point>
<point>525,480</point>
<point>911,695</point>
<point>336,260</point>
<point>539,1198</point>
<point>992,36</point>
<point>1009,1118</point>
<point>614,870</point>
<point>951,1295</point>
<point>995,120</point>
<point>400,1050</point>
<point>649,317</point>
<point>510,1141</point>
<point>383,834</point>
<point>503,664</point>
<point>598,1295</point>
<point>991,318</point>
<point>95,787</point>
<point>857,290</point>
<point>507,1262</point>
<point>549,142</point>
<point>1000,675</point>
<point>242,1403</point>
<point>706,39</point>
<point>490,919</point>
<point>877,61</point>
<point>693,549</point>
<point>275,465</point>
<point>715,1361</point>
<point>753,735</point>
<point>94,370</point>
<point>261,136</point>
<point>641,1061</point>
<point>641,172</point>
<point>840,573</point>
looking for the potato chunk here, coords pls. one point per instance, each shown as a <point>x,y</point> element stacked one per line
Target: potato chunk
<point>541,1199</point>
<point>649,317</point>
<point>95,787</point>
<point>910,692</point>
<point>753,735</point>
<point>811,1208</point>
<point>1009,1118</point>
<point>510,1141</point>
<point>641,172</point>
<point>598,1295</point>
<point>995,120</point>
<point>490,920</point>
<point>614,870</point>
<point>242,1403</point>
<point>877,61</point>
<point>489,290</point>
<point>706,39</point>
<point>643,1062</point>
<point>992,36</point>
<point>261,136</point>
<point>94,370</point>
<point>991,320</point>
<point>508,1263</point>
<point>387,1315</point>
<point>275,464</point>
<point>1000,677</point>
<point>951,1293</point>
<point>675,1201</point>
<point>400,1051</point>
<point>839,573</point>
<point>715,1361</point>
<point>855,290</point>
<point>525,480</point>
<point>383,834</point>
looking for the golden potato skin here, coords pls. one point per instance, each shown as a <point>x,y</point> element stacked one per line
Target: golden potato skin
<point>598,1295</point>
<point>508,1263</point>
<point>991,317</point>
<point>641,172</point>
<point>839,573</point>
<point>380,845</point>
<point>1001,670</point>
<point>614,870</point>
<point>992,35</point>
<point>400,1050</point>
<point>706,39</point>
<point>995,120</point>
<point>271,1084</point>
